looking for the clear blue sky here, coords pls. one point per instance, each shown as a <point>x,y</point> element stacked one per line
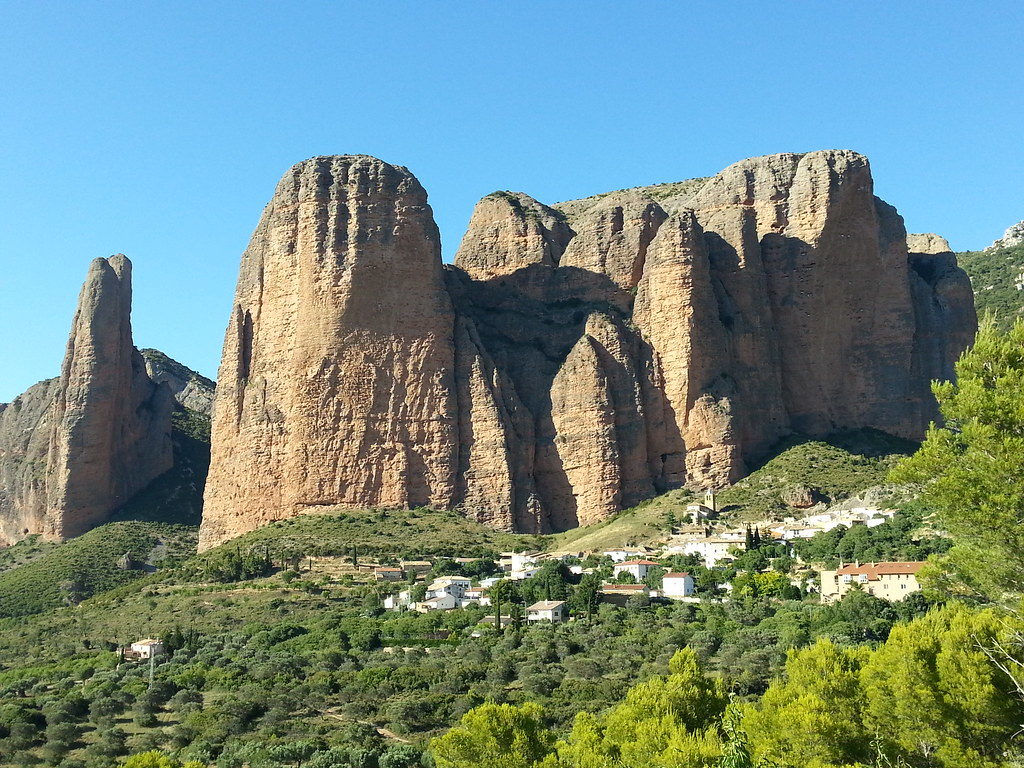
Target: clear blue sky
<point>159,129</point>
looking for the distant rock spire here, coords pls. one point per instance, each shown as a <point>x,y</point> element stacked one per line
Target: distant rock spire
<point>95,436</point>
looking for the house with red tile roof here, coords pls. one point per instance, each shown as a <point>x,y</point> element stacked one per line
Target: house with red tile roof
<point>888,581</point>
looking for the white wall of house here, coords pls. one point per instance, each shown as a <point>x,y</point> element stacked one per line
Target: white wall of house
<point>677,585</point>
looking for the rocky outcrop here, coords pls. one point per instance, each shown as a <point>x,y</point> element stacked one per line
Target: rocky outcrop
<point>1013,236</point>
<point>945,316</point>
<point>74,449</point>
<point>576,359</point>
<point>508,231</point>
<point>927,242</point>
<point>613,236</point>
<point>192,390</point>
<point>337,384</point>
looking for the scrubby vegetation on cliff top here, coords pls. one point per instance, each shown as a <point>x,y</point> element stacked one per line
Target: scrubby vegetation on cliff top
<point>994,276</point>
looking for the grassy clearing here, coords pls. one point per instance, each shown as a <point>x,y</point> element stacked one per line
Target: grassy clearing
<point>642,524</point>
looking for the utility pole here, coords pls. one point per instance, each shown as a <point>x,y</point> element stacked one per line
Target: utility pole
<point>152,666</point>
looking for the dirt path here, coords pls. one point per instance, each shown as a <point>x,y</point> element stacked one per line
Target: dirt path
<point>387,734</point>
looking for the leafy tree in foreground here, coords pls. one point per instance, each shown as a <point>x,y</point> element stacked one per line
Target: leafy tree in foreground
<point>666,722</point>
<point>495,735</point>
<point>971,468</point>
<point>929,697</point>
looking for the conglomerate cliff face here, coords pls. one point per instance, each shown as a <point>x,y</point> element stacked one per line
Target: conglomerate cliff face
<point>75,448</point>
<point>337,384</point>
<point>577,358</point>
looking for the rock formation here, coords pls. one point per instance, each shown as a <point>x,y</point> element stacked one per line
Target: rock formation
<point>927,242</point>
<point>1013,236</point>
<point>337,383</point>
<point>74,449</point>
<point>192,390</point>
<point>577,358</point>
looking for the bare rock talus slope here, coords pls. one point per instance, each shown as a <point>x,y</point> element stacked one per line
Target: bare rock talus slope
<point>577,358</point>
<point>74,449</point>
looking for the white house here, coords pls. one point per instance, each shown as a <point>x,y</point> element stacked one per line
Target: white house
<point>553,611</point>
<point>443,602</point>
<point>623,554</point>
<point>526,573</point>
<point>713,549</point>
<point>475,595</point>
<point>401,600</point>
<point>638,568</point>
<point>677,585</point>
<point>455,586</point>
<point>793,531</point>
<point>144,649</point>
<point>523,565</point>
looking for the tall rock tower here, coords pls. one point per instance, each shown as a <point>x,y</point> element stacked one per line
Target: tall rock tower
<point>337,382</point>
<point>74,449</point>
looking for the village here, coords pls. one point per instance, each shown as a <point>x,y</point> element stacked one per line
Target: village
<point>644,573</point>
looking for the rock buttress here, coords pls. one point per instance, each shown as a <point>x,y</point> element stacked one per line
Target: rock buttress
<point>336,387</point>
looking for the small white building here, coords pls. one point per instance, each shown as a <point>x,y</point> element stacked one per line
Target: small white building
<point>402,600</point>
<point>674,585</point>
<point>526,573</point>
<point>443,602</point>
<point>713,549</point>
<point>475,596</point>
<point>522,565</point>
<point>145,649</point>
<point>622,554</point>
<point>552,611</point>
<point>638,568</point>
<point>794,531</point>
<point>455,586</point>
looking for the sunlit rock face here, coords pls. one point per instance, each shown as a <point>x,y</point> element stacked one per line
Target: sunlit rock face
<point>576,358</point>
<point>75,448</point>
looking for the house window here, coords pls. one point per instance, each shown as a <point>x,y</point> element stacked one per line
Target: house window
<point>847,578</point>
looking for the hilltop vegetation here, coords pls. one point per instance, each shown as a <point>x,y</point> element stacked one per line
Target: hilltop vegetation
<point>68,573</point>
<point>833,468</point>
<point>994,276</point>
<point>392,534</point>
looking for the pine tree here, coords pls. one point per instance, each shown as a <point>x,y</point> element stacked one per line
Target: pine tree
<point>970,469</point>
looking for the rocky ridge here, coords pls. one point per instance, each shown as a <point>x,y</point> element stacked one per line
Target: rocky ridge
<point>192,390</point>
<point>577,358</point>
<point>75,448</point>
<point>1013,236</point>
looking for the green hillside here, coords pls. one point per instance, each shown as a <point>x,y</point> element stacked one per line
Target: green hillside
<point>391,534</point>
<point>994,275</point>
<point>834,468</point>
<point>68,573</point>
